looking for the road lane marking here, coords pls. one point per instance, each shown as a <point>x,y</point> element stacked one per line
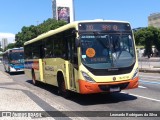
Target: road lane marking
<point>148,76</point>
<point>152,99</point>
<point>145,78</point>
<point>142,87</point>
<point>149,82</point>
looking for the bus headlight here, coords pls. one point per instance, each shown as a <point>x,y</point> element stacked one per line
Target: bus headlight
<point>135,74</point>
<point>12,69</point>
<point>87,77</point>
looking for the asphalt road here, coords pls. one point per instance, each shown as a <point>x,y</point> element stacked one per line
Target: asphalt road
<point>144,98</point>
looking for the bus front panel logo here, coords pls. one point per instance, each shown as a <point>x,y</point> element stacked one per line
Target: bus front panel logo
<point>114,78</point>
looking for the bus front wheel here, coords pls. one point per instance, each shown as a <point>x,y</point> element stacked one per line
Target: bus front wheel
<point>34,82</point>
<point>61,87</point>
<point>9,70</point>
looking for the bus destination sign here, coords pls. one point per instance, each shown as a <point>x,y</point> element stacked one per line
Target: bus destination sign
<point>104,26</point>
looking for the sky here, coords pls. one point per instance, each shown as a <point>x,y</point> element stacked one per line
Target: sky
<point>14,14</point>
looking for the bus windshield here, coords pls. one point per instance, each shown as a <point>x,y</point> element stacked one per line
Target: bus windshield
<point>16,57</point>
<point>107,50</point>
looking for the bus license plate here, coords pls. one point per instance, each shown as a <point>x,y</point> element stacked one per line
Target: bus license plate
<point>114,89</point>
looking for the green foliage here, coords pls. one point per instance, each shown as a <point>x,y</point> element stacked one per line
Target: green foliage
<point>148,37</point>
<point>10,46</point>
<point>140,37</point>
<point>28,33</point>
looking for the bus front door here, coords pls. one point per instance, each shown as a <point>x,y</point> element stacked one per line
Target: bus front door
<point>72,76</point>
<point>73,66</point>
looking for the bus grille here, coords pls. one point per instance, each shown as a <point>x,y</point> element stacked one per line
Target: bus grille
<point>107,87</point>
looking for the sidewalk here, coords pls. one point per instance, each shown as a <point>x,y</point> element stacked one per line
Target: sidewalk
<point>13,98</point>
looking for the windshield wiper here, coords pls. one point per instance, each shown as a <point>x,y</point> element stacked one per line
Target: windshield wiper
<point>111,45</point>
<point>107,45</point>
<point>110,50</point>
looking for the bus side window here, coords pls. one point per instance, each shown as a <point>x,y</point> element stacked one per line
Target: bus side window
<point>48,49</point>
<point>72,50</point>
<point>75,55</point>
<point>42,51</point>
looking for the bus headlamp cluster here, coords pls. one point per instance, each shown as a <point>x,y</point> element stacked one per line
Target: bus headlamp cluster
<point>135,74</point>
<point>12,68</point>
<point>87,77</point>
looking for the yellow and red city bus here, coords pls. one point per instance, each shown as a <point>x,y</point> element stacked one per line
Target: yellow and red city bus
<point>86,57</point>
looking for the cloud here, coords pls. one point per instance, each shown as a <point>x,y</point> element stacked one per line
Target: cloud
<point>9,36</point>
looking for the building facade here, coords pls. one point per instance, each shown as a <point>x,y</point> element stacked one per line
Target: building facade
<point>63,10</point>
<point>4,43</point>
<point>154,20</point>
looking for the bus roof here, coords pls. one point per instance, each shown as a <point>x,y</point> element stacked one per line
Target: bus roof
<point>20,48</point>
<point>68,26</point>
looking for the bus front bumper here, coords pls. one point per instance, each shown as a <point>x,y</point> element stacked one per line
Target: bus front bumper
<point>86,87</point>
<point>16,69</point>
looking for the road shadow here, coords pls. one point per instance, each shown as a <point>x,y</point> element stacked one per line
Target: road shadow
<point>16,73</point>
<point>105,98</point>
<point>49,88</point>
<point>90,99</point>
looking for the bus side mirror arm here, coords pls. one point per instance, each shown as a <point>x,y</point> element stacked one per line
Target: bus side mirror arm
<point>77,42</point>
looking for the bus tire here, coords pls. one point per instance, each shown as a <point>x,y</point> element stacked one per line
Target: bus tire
<point>34,82</point>
<point>9,71</point>
<point>61,86</point>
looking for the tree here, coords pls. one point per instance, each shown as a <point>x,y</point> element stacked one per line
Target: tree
<point>148,37</point>
<point>10,46</point>
<point>140,37</point>
<point>156,37</point>
<point>28,33</point>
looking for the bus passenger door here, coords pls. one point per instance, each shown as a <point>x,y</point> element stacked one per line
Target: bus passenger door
<point>73,65</point>
<point>72,76</point>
